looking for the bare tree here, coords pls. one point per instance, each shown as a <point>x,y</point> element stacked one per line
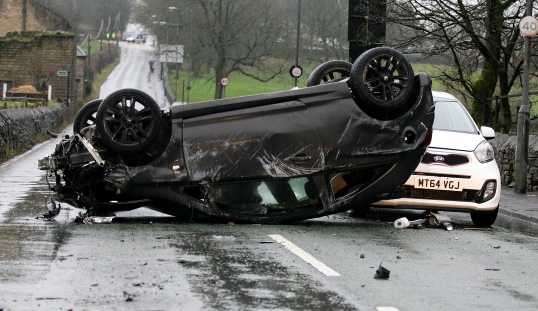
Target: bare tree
<point>326,24</point>
<point>242,34</point>
<point>480,41</point>
<point>227,35</point>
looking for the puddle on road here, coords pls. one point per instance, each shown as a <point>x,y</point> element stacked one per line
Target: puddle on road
<point>235,276</point>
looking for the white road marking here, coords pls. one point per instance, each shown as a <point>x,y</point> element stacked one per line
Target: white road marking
<point>304,255</point>
<point>386,309</point>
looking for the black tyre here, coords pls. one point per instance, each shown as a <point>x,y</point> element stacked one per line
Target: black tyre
<point>382,81</point>
<point>86,115</point>
<point>331,71</point>
<point>128,120</point>
<point>484,219</point>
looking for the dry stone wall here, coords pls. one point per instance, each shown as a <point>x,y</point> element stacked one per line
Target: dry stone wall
<point>18,127</point>
<point>505,151</point>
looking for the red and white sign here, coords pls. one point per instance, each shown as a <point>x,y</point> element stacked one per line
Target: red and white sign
<point>224,81</point>
<point>528,26</point>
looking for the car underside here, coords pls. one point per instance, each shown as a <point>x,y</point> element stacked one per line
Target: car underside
<point>277,157</point>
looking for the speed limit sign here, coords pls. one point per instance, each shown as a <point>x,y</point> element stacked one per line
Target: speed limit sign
<point>528,26</point>
<point>224,81</point>
<point>296,71</point>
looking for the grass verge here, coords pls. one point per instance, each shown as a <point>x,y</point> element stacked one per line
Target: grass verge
<point>203,87</point>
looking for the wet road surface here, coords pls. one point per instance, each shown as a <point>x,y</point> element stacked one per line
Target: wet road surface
<point>149,261</point>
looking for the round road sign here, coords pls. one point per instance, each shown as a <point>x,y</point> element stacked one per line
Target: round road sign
<point>528,26</point>
<point>296,71</point>
<point>224,81</point>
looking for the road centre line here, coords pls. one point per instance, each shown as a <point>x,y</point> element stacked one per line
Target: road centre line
<point>304,255</point>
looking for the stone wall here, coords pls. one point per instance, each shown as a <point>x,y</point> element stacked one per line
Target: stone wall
<point>505,150</point>
<point>34,58</point>
<point>19,127</point>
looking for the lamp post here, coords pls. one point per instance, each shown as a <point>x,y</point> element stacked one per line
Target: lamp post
<point>173,8</point>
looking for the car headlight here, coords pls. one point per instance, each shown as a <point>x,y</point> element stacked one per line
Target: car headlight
<point>484,152</point>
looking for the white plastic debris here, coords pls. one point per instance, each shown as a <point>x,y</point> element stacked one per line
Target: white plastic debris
<point>432,220</point>
<point>401,223</point>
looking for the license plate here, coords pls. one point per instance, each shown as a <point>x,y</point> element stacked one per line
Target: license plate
<point>438,183</point>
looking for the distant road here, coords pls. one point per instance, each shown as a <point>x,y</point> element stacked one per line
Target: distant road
<point>133,72</point>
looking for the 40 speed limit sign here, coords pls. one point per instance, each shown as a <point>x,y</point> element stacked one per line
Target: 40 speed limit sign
<point>224,81</point>
<point>528,26</point>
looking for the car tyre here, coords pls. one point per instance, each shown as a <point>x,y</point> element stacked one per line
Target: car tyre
<point>328,72</point>
<point>484,219</point>
<point>128,121</point>
<point>382,81</point>
<point>86,115</point>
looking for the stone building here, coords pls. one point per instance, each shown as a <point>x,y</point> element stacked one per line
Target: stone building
<point>37,48</point>
<point>28,15</point>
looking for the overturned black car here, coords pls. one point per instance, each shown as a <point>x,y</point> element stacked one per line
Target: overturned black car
<point>352,137</point>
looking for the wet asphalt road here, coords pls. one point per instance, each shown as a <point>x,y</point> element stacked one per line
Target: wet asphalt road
<point>149,261</point>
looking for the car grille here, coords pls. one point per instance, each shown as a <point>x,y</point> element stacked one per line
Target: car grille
<point>448,159</point>
<point>415,193</point>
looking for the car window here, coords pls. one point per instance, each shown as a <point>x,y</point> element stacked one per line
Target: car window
<point>266,197</point>
<point>450,115</point>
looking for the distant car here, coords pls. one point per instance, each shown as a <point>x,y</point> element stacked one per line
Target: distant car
<point>136,39</point>
<point>351,137</point>
<point>458,172</point>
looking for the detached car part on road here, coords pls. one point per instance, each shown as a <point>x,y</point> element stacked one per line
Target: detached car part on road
<point>340,143</point>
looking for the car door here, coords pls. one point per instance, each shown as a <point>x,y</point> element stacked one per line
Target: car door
<point>276,140</point>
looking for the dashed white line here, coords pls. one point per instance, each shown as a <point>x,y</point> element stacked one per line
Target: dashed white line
<point>304,255</point>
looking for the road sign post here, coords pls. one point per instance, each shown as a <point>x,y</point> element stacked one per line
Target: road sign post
<point>224,82</point>
<point>528,27</point>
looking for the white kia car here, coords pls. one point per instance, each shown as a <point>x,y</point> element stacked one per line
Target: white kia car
<point>458,172</point>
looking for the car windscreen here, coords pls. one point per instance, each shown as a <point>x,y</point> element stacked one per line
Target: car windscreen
<point>450,115</point>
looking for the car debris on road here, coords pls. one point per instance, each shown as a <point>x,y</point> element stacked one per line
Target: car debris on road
<point>382,273</point>
<point>53,209</point>
<point>432,220</point>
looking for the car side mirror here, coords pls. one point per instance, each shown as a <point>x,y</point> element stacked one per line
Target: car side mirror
<point>487,132</point>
